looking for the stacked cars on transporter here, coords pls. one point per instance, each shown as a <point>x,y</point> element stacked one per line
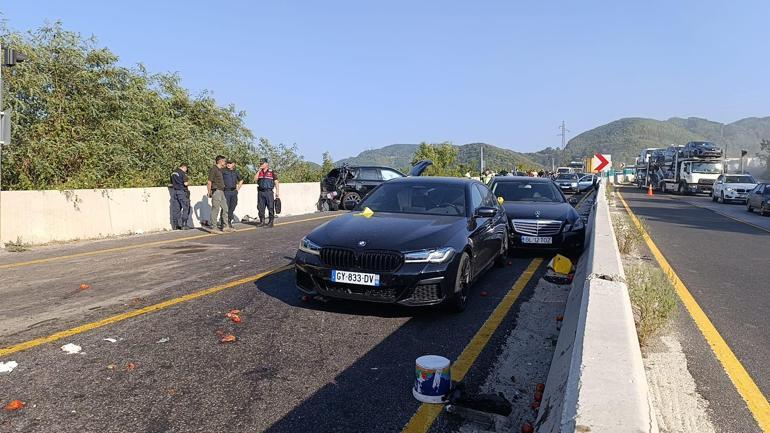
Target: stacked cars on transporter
<point>689,169</point>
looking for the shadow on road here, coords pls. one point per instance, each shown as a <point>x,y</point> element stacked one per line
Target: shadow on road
<point>374,393</point>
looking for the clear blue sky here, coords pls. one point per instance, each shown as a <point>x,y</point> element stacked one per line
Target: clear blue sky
<point>345,76</point>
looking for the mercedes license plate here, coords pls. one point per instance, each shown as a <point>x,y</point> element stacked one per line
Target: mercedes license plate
<point>355,278</point>
<point>536,240</point>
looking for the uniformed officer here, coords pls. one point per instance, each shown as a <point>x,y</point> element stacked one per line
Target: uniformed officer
<point>267,181</point>
<point>233,182</point>
<point>180,200</point>
<point>216,190</point>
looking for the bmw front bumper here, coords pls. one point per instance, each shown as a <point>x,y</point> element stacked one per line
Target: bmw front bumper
<point>412,284</point>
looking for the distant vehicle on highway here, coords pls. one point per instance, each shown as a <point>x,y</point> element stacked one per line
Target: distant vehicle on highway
<point>587,182</point>
<point>425,242</point>
<point>344,187</point>
<point>729,187</point>
<point>540,215</point>
<point>759,198</point>
<point>701,149</point>
<point>561,170</point>
<point>567,182</point>
<point>682,174</point>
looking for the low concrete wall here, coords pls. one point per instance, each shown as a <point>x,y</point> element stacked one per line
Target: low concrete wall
<point>597,382</point>
<point>46,216</point>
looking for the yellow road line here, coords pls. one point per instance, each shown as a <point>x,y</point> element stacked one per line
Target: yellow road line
<point>146,244</point>
<point>133,313</point>
<point>427,413</point>
<point>749,391</point>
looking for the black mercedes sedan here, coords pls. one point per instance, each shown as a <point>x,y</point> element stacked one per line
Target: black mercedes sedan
<point>540,216</point>
<point>412,241</point>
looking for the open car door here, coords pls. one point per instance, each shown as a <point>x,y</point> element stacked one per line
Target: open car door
<point>420,167</point>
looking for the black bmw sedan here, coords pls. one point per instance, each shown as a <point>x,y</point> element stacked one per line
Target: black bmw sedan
<point>412,241</point>
<point>539,214</point>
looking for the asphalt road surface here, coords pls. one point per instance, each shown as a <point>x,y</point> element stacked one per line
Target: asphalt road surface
<point>720,252</point>
<point>296,365</point>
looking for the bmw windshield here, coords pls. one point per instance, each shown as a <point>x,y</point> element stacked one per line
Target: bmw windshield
<point>527,191</point>
<point>411,198</point>
<point>566,176</point>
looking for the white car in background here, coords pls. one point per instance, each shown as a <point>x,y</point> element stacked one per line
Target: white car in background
<point>729,187</point>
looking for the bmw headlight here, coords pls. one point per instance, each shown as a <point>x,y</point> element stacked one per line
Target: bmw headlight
<point>439,255</point>
<point>730,189</point>
<point>577,225</point>
<point>309,246</point>
<point>574,184</point>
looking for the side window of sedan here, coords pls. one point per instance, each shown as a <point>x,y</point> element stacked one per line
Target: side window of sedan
<point>476,198</point>
<point>389,174</point>
<point>368,174</point>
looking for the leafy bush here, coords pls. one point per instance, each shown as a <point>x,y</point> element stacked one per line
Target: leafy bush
<point>653,300</point>
<point>81,120</point>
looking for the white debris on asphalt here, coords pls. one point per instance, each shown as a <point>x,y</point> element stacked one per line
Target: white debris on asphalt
<point>7,367</point>
<point>71,348</point>
<point>163,340</point>
<point>111,340</point>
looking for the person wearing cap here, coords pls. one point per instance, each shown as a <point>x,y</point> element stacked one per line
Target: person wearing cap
<point>216,190</point>
<point>180,200</point>
<point>267,181</point>
<point>233,182</point>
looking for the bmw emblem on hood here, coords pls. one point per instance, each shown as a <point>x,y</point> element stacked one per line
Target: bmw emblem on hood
<point>361,243</point>
<point>537,214</point>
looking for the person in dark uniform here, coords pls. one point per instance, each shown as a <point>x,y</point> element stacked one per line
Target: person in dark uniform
<point>233,182</point>
<point>267,184</point>
<point>180,201</point>
<point>216,190</point>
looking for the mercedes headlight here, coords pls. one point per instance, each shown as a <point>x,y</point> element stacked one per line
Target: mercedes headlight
<point>439,255</point>
<point>577,225</point>
<point>309,246</point>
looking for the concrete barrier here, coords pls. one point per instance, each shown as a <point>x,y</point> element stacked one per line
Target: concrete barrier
<point>39,217</point>
<point>597,382</point>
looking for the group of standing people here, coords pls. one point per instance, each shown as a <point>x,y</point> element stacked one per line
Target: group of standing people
<point>224,183</point>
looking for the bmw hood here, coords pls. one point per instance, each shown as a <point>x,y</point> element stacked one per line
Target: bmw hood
<point>538,210</point>
<point>389,231</point>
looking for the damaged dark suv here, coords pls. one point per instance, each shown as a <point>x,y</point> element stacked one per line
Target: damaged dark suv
<point>345,186</point>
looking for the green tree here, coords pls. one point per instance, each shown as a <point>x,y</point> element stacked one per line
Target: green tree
<point>287,162</point>
<point>327,164</point>
<point>444,157</point>
<point>80,120</point>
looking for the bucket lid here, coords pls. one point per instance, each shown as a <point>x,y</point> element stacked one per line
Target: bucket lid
<point>432,362</point>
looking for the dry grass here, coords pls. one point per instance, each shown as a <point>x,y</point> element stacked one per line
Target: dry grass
<point>627,235</point>
<point>653,299</point>
<point>17,247</point>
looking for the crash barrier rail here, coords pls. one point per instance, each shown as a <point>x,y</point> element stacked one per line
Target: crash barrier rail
<point>597,382</point>
<point>48,216</point>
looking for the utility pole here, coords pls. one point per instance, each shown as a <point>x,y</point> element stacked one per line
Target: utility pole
<point>8,57</point>
<point>481,163</point>
<point>563,133</point>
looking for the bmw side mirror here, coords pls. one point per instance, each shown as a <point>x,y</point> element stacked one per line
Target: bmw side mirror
<point>573,201</point>
<point>485,212</point>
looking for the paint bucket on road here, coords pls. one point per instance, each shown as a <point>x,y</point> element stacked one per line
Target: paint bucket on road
<point>433,379</point>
